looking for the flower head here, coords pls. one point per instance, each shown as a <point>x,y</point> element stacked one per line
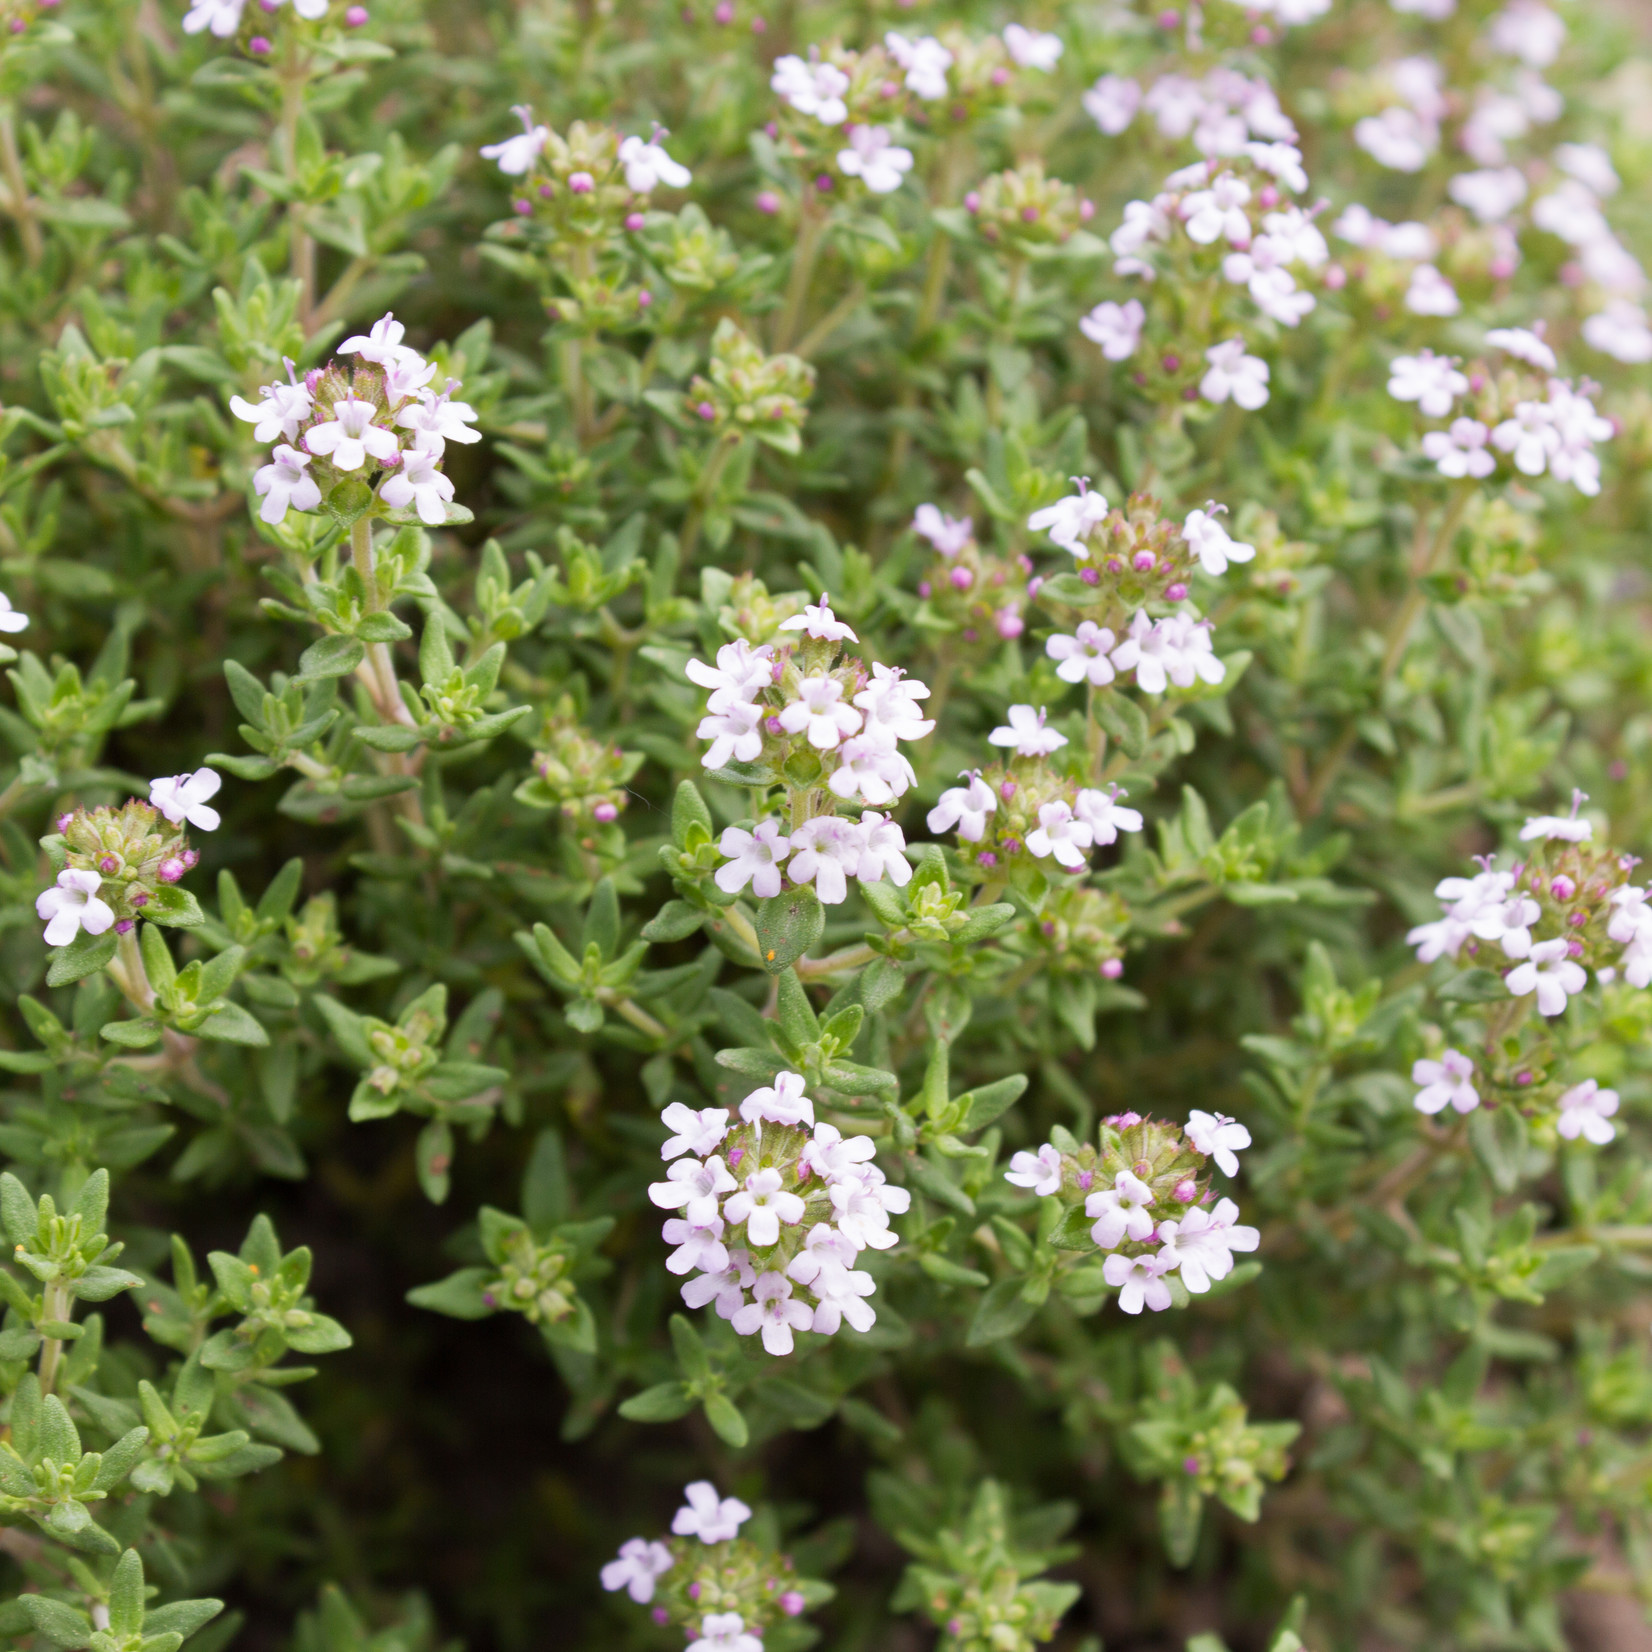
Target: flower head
<point>707,1516</point>
<point>72,905</point>
<point>1041,1171</point>
<point>182,797</point>
<point>1448,1080</point>
<point>647,166</point>
<point>1025,731</point>
<point>1586,1110</point>
<point>517,154</point>
<point>875,158</point>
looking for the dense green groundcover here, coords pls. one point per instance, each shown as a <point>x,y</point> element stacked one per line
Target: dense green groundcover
<point>1354,586</point>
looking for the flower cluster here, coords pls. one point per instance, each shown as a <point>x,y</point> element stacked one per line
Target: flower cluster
<point>1221,111</point>
<point>1148,1199</point>
<point>966,586</point>
<point>717,1587</point>
<point>381,421</point>
<point>833,731</point>
<point>776,1207</point>
<point>1544,424</point>
<point>1025,809</point>
<point>226,18</point>
<point>582,778</point>
<point>118,862</point>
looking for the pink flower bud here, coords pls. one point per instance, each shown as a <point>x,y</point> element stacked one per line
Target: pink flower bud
<point>1171,363</point>
<point>890,89</point>
<point>1006,790</point>
<point>1025,564</point>
<point>1086,211</point>
<point>972,202</point>
<point>1112,968</point>
<point>1012,846</point>
<point>987,859</point>
<point>706,411</point>
<point>1092,576</point>
<point>773,726</point>
<point>108,864</point>
<point>140,899</point>
<point>1190,1465</point>
<point>791,1603</point>
<point>1123,1121</point>
<point>1268,196</point>
<point>1562,888</point>
<point>546,191</point>
<point>604,813</point>
<point>694,1588</point>
<point>961,578</point>
<point>355,17</point>
<point>634,221</point>
<point>171,869</point>
<point>271,6</point>
<point>191,859</point>
<point>1522,1078</point>
<point>771,129</point>
<point>824,183</point>
<point>1501,269</point>
<point>970,634</point>
<point>724,12</point>
<point>1000,76</point>
<point>1261,35</point>
<point>923,588</point>
<point>768,202</point>
<point>1336,277</point>
<point>1477,382</point>
<point>582,183</point>
<point>1010,624</point>
<point>125,926</point>
<point>1185,1191</point>
<point>1578,919</point>
<point>759,25</point>
<point>521,207</point>
<point>1143,561</point>
<point>1085,1178</point>
<point>1574,949</point>
<point>65,821</point>
<point>1169,19</point>
<point>259,46</point>
<point>1029,215</point>
<point>1176,592</point>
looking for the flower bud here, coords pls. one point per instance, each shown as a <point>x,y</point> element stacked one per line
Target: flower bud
<point>171,869</point>
<point>140,899</point>
<point>355,17</point>
<point>108,864</point>
<point>1185,1191</point>
<point>1143,561</point>
<point>972,202</point>
<point>1112,968</point>
<point>1006,789</point>
<point>724,12</point>
<point>521,207</point>
<point>767,202</point>
<point>987,859</point>
<point>1562,887</point>
<point>1010,624</point>
<point>634,221</point>
<point>604,813</point>
<point>259,46</point>
<point>125,926</point>
<point>1176,592</point>
<point>961,578</point>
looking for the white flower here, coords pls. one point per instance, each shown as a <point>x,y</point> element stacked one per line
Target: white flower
<point>10,619</point>
<point>825,1253</point>
<point>727,1287</point>
<point>1083,655</point>
<point>818,621</point>
<point>1528,30</point>
<point>381,343</point>
<point>826,852</point>
<point>638,1565</point>
<point>1061,833</point>
<point>1210,542</point>
<point>1117,328</point>
<point>740,672</point>
<point>1398,138</point>
<point>223,17</point>
<point>1409,240</point>
<point>437,420</point>
<point>830,1155</point>
<point>1530,436</point>
<point>417,482</point>
<point>1069,521</point>
<point>1112,103</point>
<point>699,1249</point>
<point>350,435</point>
<point>864,1205</point>
<point>875,158</point>
<point>776,1315</point>
<point>1025,731</point>
<point>1125,1209</point>
<point>696,1132</point>
<point>1202,1243</point>
<point>1031,49</point>
<point>647,166</point>
<point>405,378</point>
<point>763,1204</point>
<point>1435,11</point>
<point>782,1102</point>
<point>1550,973</point>
<point>1139,1280</point>
<point>1585,1110</point>
<point>516,155</point>
<point>1233,373</point>
<point>1441,939</point>
<point>1460,450</point>
<point>1524,345</point>
<point>1105,815</point>
<point>71,906</point>
<point>707,1516</point>
<point>890,702</point>
<point>882,851</point>
<point>736,731</point>
<point>285,482</point>
<point>1261,266</point>
<point>755,857</point>
<point>812,89</point>
<point>1491,194</point>
<point>182,797</point>
<point>1577,428</point>
<point>869,764</point>
<point>841,1295</point>
<point>284,408</point>
<point>1432,382</point>
<point>925,61</point>
<point>1570,828</point>
<point>948,534</point>
<point>1172,650</point>
<point>819,711</point>
<point>1144,222</point>
<point>1589,164</point>
<point>1299,235</point>
<point>1430,293</point>
<point>1283,161</point>
<point>1218,1137</point>
<point>1620,330</point>
<point>1450,1079</point>
<point>1041,1171</point>
<point>1218,211</point>
<point>693,1188</point>
<point>965,807</point>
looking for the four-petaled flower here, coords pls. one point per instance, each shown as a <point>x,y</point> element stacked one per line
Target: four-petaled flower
<point>418,483</point>
<point>517,154</point>
<point>1123,1210</point>
<point>182,797</point>
<point>1025,731</point>
<point>647,165</point>
<point>1218,1137</point>
<point>1139,1280</point>
<point>755,857</point>
<point>1068,521</point>
<point>782,1102</point>
<point>640,1563</point>
<point>350,435</point>
<point>1550,973</point>
<point>1202,1243</point>
<point>72,905</point>
<point>776,1314</point>
<point>818,621</point>
<point>875,158</point>
<point>693,1188</point>
<point>1041,1171</point>
<point>1211,542</point>
<point>965,807</point>
<point>763,1204</point>
<point>1586,1110</point>
<point>707,1516</point>
<point>1084,655</point>
<point>285,482</point>
<point>697,1132</point>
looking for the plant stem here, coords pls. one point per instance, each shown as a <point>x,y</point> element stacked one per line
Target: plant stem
<point>810,230</point>
<point>22,208</point>
<point>835,963</point>
<point>55,1306</point>
<point>709,478</point>
<point>378,670</point>
<point>294,76</point>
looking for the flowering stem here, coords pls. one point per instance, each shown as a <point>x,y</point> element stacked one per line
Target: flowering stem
<point>129,974</point>
<point>810,229</point>
<point>709,478</point>
<point>294,77</point>
<point>17,189</point>
<point>378,670</point>
<point>835,963</point>
<point>629,1010</point>
<point>829,323</point>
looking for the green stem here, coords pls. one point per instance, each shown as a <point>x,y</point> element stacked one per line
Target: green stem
<point>810,231</point>
<point>294,79</point>
<point>639,1018</point>
<point>709,478</point>
<point>55,1306</point>
<point>22,207</point>
<point>836,963</point>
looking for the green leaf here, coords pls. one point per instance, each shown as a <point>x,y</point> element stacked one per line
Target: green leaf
<point>133,1035</point>
<point>787,926</point>
<point>330,657</point>
<point>1473,986</point>
<point>1003,1311</point>
<point>726,1421</point>
<point>663,1403</point>
<point>84,955</point>
<point>459,1296</point>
